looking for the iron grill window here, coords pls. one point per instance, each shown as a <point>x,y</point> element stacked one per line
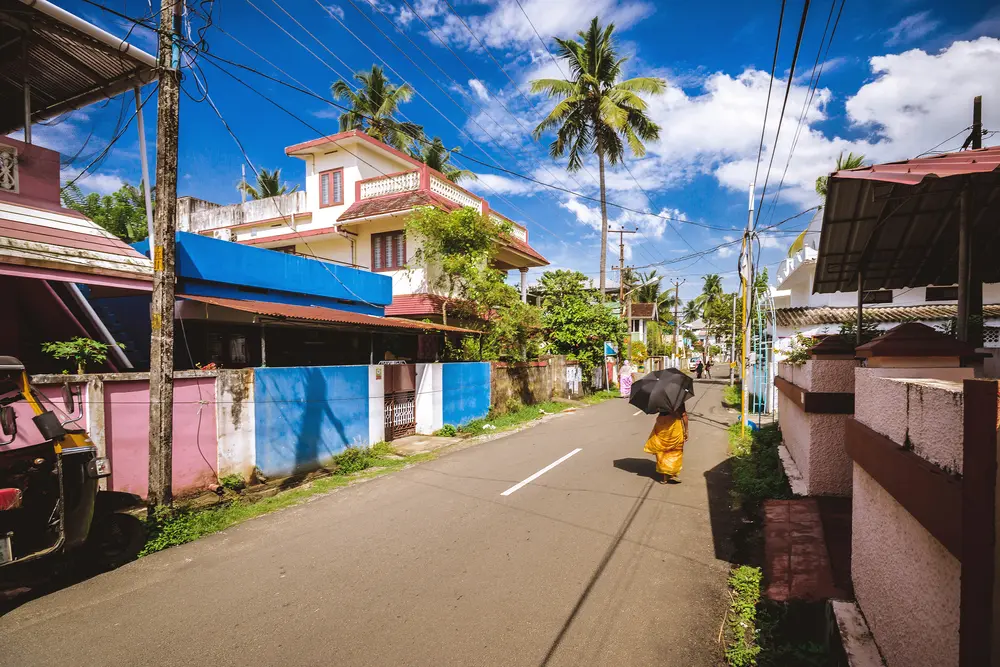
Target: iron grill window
<point>878,296</point>
<point>388,251</point>
<point>942,294</point>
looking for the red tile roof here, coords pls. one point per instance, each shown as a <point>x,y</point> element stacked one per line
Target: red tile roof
<point>643,311</point>
<point>408,305</point>
<point>403,201</point>
<point>320,314</point>
<point>63,237</point>
<point>523,247</point>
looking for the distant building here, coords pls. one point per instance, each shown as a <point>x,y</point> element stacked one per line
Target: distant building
<point>353,211</point>
<point>640,317</point>
<point>799,310</point>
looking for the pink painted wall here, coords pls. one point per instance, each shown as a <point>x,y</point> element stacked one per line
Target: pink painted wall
<point>37,173</point>
<point>27,434</point>
<point>195,450</point>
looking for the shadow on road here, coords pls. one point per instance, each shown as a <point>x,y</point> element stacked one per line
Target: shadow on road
<point>729,537</point>
<point>640,467</point>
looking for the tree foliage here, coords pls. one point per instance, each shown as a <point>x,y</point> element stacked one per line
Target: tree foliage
<point>576,322</point>
<point>374,106</point>
<point>123,212</point>
<point>81,351</point>
<point>436,156</point>
<point>850,161</point>
<point>268,185</point>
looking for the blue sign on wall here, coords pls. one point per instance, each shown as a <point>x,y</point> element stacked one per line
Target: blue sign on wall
<point>304,416</point>
<point>610,349</point>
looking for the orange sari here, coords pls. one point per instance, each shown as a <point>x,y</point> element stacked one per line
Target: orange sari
<point>667,443</point>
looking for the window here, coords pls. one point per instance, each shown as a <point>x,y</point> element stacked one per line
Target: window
<point>331,188</point>
<point>388,251</point>
<point>942,294</point>
<point>878,296</point>
<point>635,326</point>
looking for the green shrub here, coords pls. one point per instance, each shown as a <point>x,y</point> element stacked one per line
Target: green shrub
<point>741,645</point>
<point>381,449</point>
<point>446,431</point>
<point>801,349</point>
<point>234,482</point>
<point>353,459</point>
<point>731,394</point>
<point>757,471</point>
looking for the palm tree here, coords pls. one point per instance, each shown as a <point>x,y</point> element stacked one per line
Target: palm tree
<point>268,185</point>
<point>436,156</point>
<point>650,290</point>
<point>374,106</point>
<point>692,310</point>
<point>597,110</point>
<point>852,161</point>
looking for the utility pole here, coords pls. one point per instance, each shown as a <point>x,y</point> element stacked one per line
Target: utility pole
<point>621,266</point>
<point>677,323</point>
<point>161,351</point>
<point>746,279</point>
<point>970,288</point>
<point>732,346</point>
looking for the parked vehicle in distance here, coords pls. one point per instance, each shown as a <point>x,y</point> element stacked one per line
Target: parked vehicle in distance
<point>693,363</point>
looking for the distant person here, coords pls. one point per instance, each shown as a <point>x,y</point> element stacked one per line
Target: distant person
<point>625,379</point>
<point>700,368</point>
<point>670,432</point>
<point>708,368</point>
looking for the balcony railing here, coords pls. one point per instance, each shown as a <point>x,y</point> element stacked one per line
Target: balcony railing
<point>454,193</point>
<point>390,184</point>
<point>517,231</point>
<point>8,169</point>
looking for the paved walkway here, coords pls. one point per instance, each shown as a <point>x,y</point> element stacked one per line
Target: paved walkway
<point>453,562</point>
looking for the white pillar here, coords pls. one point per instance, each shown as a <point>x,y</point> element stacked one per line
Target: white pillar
<point>524,285</point>
<point>143,162</point>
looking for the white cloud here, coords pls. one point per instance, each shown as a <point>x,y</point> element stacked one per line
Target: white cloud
<point>912,28</point>
<point>488,184</point>
<point>479,89</point>
<point>728,250</point>
<point>99,182</point>
<point>504,25</point>
<point>336,10</point>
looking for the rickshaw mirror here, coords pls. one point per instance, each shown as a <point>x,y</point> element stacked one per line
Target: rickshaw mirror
<point>8,421</point>
<point>69,398</point>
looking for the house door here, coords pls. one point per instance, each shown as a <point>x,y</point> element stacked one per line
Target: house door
<point>400,400</point>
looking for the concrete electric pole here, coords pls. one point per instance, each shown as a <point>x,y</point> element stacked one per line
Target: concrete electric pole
<point>677,322</point>
<point>161,350</point>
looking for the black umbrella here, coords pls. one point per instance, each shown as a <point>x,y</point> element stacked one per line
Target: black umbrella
<point>661,391</point>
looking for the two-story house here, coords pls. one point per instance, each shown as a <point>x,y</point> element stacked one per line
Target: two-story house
<point>353,211</point>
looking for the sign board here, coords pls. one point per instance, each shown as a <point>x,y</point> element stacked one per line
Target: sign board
<point>610,349</point>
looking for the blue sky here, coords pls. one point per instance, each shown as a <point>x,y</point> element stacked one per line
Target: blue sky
<point>898,79</point>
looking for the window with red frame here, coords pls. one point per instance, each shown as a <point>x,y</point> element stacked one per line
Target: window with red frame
<point>331,188</point>
<point>388,251</point>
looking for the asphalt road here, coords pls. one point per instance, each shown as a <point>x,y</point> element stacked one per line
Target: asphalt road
<point>590,564</point>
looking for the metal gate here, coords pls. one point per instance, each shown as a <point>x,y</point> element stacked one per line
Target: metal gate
<point>400,400</point>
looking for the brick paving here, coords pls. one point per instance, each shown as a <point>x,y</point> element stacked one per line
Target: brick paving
<point>796,561</point>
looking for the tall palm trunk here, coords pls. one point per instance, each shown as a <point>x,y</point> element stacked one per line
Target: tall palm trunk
<point>604,225</point>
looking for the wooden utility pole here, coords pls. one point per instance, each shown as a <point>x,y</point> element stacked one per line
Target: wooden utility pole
<point>161,349</point>
<point>970,284</point>
<point>621,267</point>
<point>677,323</point>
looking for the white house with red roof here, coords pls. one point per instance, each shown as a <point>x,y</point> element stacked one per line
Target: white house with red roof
<point>353,211</point>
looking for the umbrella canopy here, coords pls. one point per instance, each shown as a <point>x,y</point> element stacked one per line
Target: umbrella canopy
<point>661,391</point>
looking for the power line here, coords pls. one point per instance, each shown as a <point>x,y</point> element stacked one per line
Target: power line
<point>817,72</point>
<point>770,84</point>
<point>781,116</point>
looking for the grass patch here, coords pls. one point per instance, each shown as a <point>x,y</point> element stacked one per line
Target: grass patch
<point>731,395</point>
<point>757,471</point>
<point>493,422</point>
<point>600,396</point>
<point>171,527</point>
<point>446,431</point>
<point>741,638</point>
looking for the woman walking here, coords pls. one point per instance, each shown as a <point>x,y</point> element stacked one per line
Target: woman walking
<point>670,432</point>
<point>625,379</point>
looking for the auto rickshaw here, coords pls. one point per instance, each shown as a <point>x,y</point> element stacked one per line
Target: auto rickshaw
<point>53,515</point>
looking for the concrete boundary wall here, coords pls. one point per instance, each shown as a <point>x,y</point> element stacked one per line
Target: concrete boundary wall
<point>280,420</point>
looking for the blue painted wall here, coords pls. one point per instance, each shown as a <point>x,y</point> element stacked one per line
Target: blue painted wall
<point>304,416</point>
<point>205,264</point>
<point>466,392</point>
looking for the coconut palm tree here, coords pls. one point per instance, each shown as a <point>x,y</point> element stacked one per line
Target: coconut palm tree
<point>436,156</point>
<point>268,185</point>
<point>374,106</point>
<point>597,110</point>
<point>851,161</point>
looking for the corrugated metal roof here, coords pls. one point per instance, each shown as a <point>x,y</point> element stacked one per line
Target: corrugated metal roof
<point>68,68</point>
<point>899,222</point>
<point>320,314</point>
<point>415,304</point>
<point>799,317</point>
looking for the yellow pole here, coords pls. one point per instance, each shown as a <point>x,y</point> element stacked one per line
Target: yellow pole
<point>743,347</point>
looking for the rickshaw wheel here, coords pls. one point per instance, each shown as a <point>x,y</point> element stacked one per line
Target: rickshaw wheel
<point>116,539</point>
